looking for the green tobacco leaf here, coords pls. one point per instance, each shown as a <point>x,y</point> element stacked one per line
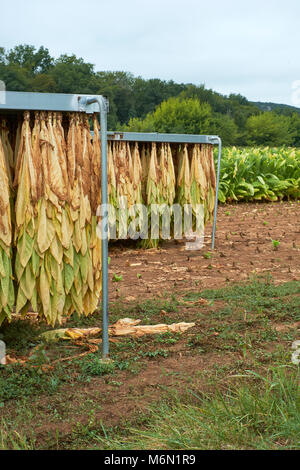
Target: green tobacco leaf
<point>35,263</point>
<point>25,247</point>
<point>68,277</point>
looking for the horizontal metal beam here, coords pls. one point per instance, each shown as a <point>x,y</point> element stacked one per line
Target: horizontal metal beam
<point>20,101</point>
<point>25,101</point>
<point>157,137</point>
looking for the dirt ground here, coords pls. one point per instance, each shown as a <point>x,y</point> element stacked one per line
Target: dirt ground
<point>243,247</point>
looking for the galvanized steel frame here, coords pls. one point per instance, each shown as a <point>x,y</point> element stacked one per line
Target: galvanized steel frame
<point>179,139</point>
<point>12,101</point>
<point>19,100</point>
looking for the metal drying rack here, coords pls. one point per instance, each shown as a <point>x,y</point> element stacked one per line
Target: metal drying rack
<point>11,102</point>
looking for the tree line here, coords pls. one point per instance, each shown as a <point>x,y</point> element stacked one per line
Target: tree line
<point>152,105</point>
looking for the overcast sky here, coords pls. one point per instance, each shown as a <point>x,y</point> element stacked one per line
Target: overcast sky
<point>231,46</point>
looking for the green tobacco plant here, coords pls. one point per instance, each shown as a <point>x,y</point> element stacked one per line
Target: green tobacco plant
<point>262,173</point>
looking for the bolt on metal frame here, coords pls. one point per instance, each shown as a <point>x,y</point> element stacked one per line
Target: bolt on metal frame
<point>27,101</point>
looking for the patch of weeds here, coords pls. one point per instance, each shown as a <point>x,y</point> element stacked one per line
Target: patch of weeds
<point>281,355</point>
<point>258,411</point>
<point>266,335</point>
<point>39,357</point>
<point>114,383</point>
<point>275,244</point>
<point>92,365</point>
<point>122,365</point>
<point>13,440</point>
<point>223,312</point>
<point>152,307</point>
<point>125,344</point>
<point>18,381</point>
<point>259,293</point>
<point>167,338</point>
<point>157,352</point>
<point>198,342</point>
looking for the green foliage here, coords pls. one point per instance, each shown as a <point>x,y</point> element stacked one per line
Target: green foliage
<point>187,114</point>
<point>259,174</point>
<point>93,366</point>
<point>11,439</point>
<point>258,411</point>
<point>148,94</point>
<point>176,115</point>
<point>269,129</point>
<point>2,56</point>
<point>295,128</point>
<point>226,128</point>
<point>275,244</point>
<point>72,75</point>
<point>26,56</point>
<point>16,382</point>
<point>117,278</point>
<point>43,83</point>
<point>118,87</point>
<point>15,77</point>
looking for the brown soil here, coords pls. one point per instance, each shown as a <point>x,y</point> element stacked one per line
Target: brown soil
<point>243,247</point>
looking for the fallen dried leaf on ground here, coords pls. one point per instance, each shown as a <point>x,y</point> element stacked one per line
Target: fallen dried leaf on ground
<point>124,326</point>
<point>127,326</point>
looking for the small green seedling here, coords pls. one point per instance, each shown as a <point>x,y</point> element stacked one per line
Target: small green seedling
<point>207,255</point>
<point>117,278</point>
<point>275,244</point>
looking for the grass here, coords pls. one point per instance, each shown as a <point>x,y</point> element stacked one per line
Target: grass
<point>16,383</point>
<point>243,395</point>
<point>258,412</point>
<point>13,440</point>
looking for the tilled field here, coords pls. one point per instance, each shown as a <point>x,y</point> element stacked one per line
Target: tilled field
<point>246,244</point>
